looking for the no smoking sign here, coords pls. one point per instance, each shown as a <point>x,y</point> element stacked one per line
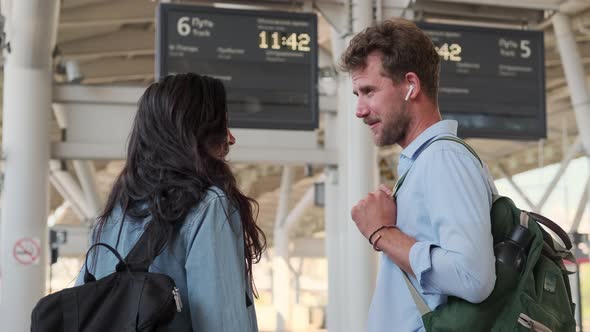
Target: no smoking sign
<point>27,251</point>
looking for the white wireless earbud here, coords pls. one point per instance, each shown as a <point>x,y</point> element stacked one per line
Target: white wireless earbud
<point>409,92</point>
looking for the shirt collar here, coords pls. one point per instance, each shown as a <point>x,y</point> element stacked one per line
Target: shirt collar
<point>437,129</point>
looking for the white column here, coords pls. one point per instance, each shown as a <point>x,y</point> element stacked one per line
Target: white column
<point>567,158</point>
<point>85,169</point>
<point>335,246</point>
<point>581,208</point>
<point>574,74</point>
<point>515,186</point>
<point>344,222</point>
<point>580,96</point>
<point>280,264</point>
<point>68,188</point>
<point>360,176</point>
<point>87,176</point>
<point>32,26</point>
<point>335,216</point>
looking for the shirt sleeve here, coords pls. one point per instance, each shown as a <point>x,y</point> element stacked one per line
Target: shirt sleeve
<point>215,269</point>
<point>462,264</point>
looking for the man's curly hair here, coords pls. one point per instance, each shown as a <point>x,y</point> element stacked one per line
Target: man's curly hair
<point>403,48</point>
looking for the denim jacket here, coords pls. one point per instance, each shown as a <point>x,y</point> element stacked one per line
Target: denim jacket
<point>205,259</point>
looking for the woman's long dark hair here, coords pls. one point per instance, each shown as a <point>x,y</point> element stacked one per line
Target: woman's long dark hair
<point>176,153</point>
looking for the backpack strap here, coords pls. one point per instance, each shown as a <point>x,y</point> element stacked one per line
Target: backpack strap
<point>460,141</point>
<point>149,245</point>
<point>555,229</point>
<point>537,217</point>
<point>418,299</point>
<point>89,277</point>
<point>146,249</point>
<point>400,181</point>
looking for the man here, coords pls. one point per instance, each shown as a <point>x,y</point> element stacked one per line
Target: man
<point>437,230</point>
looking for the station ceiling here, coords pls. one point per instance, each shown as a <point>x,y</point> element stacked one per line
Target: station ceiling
<point>113,43</point>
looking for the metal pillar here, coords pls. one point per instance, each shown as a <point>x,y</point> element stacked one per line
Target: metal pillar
<point>280,263</point>
<point>581,208</point>
<point>335,195</point>
<point>580,95</point>
<point>85,170</point>
<point>87,176</point>
<point>69,190</point>
<point>335,236</point>
<point>571,153</point>
<point>294,215</point>
<point>573,231</point>
<point>515,186</point>
<point>281,287</point>
<point>31,28</point>
<point>574,74</point>
<point>359,176</point>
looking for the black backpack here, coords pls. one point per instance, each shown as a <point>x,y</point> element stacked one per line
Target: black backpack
<point>130,299</point>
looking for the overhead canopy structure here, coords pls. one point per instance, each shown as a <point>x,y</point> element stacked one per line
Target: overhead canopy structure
<point>112,42</point>
<point>110,45</point>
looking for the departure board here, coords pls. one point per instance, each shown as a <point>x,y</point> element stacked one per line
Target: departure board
<point>492,81</point>
<point>267,60</point>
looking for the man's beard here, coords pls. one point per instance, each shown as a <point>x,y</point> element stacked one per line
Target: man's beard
<point>394,130</point>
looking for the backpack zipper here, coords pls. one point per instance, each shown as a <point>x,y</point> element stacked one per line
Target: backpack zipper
<point>532,324</point>
<point>177,299</point>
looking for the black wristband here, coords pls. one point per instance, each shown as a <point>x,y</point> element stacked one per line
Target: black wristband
<point>377,230</point>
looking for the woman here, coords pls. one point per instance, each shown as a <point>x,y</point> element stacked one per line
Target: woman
<point>176,175</point>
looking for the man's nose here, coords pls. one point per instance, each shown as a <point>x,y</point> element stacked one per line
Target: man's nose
<point>361,110</point>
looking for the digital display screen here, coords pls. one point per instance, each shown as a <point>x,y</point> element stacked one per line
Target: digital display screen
<point>267,60</point>
<point>492,81</point>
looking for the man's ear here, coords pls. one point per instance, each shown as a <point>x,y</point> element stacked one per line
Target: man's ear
<point>414,86</point>
<point>409,92</point>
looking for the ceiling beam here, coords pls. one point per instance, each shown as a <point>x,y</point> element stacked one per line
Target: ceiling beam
<point>143,79</point>
<point>101,55</point>
<point>131,41</point>
<point>562,93</point>
<point>114,10</point>
<point>117,67</point>
<point>70,4</point>
<point>552,57</point>
<point>579,24</point>
<point>527,159</point>
<point>74,25</point>
<point>555,77</point>
<point>83,33</point>
<point>571,7</point>
<point>530,4</point>
<point>477,11</point>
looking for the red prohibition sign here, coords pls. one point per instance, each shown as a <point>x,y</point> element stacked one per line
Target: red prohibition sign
<point>26,251</point>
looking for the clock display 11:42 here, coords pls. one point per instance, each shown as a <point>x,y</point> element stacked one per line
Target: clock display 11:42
<point>276,41</point>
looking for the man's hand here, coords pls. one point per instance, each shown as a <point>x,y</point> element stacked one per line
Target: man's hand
<point>374,211</point>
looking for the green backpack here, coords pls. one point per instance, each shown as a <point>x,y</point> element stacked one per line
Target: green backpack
<point>540,300</point>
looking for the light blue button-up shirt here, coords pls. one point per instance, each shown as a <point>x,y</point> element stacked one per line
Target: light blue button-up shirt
<point>444,204</point>
<point>206,261</point>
